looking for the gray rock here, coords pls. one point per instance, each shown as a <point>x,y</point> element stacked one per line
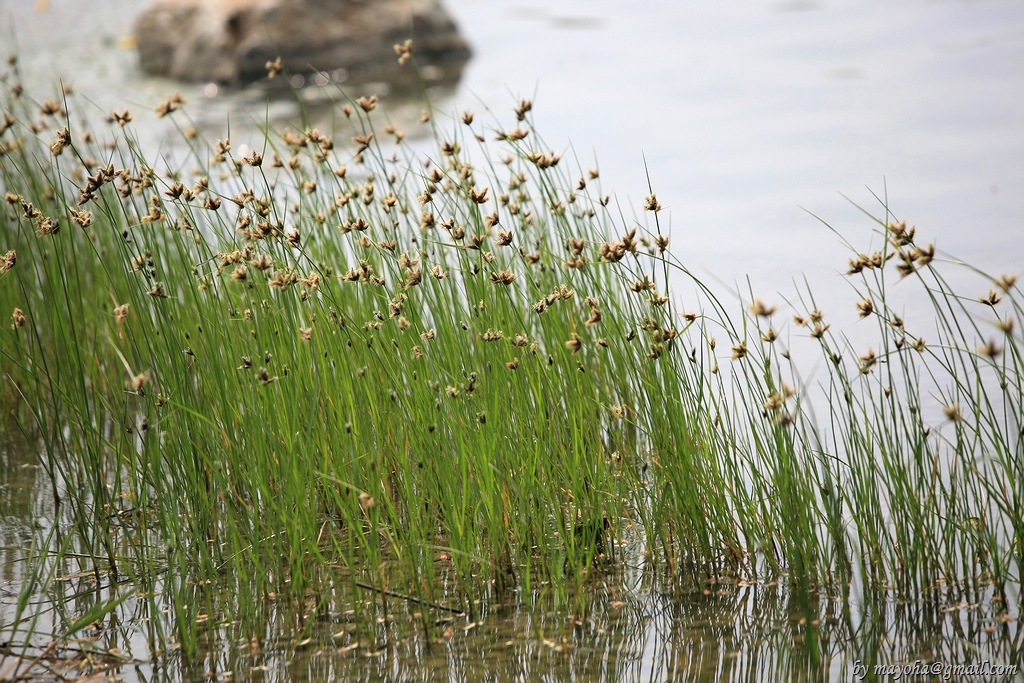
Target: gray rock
<point>232,40</point>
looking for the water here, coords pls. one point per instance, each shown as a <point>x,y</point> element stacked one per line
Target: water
<point>632,628</point>
<point>749,118</point>
<point>750,112</point>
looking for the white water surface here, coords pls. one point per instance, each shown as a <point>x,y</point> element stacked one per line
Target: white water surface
<point>752,114</point>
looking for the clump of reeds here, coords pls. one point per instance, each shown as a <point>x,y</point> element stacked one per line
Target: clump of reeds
<point>336,362</point>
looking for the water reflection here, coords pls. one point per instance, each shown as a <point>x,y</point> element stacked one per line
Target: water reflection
<point>724,632</point>
<point>20,503</point>
<point>631,625</point>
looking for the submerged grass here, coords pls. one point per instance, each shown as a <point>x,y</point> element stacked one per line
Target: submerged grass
<point>321,370</point>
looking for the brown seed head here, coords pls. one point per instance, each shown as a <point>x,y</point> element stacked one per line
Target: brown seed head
<point>905,268</point>
<point>642,285</point>
<point>990,349</point>
<point>761,310</point>
<point>7,261</point>
<point>992,299</point>
<point>924,255</point>
<point>62,141</point>
<point>52,108</point>
<point>899,234</point>
<point>138,383</point>
<point>46,226</point>
<point>868,361</point>
<point>543,161</point>
<point>865,308</point>
<point>612,251</point>
<point>575,343</point>
<point>775,402</point>
<point>480,196</point>
<point>170,104</point>
<point>120,118</point>
<point>524,106</point>
<point>404,51</point>
<point>7,123</point>
<point>505,277</point>
<point>362,142</point>
<point>261,262</point>
<point>492,335</point>
<point>175,190</point>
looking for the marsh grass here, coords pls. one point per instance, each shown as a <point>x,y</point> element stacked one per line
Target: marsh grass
<point>336,373</point>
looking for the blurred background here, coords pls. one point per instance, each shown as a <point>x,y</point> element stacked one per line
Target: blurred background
<point>750,117</point>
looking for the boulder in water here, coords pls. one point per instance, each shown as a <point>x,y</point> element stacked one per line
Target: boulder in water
<point>232,40</point>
